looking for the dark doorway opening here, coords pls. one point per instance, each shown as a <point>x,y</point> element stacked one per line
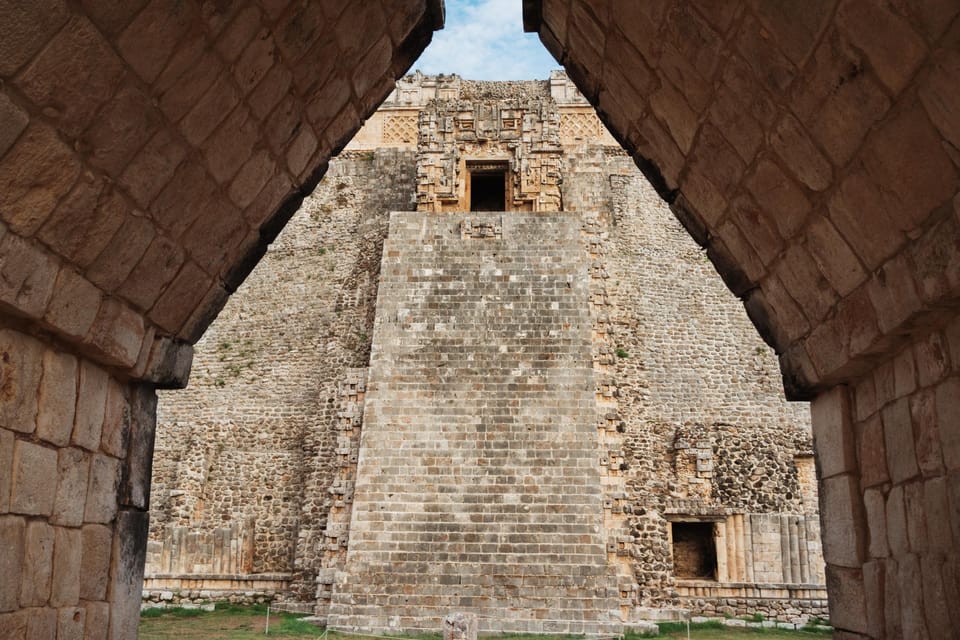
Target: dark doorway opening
<point>694,550</point>
<point>488,187</point>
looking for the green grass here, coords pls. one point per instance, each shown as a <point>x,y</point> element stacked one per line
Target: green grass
<point>670,627</point>
<point>716,630</point>
<point>234,622</point>
<point>226,622</point>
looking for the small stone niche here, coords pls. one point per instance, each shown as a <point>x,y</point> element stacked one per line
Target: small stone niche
<point>694,550</point>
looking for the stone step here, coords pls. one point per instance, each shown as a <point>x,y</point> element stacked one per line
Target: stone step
<point>478,485</point>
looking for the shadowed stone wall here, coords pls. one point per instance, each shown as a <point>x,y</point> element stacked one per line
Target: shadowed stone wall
<point>150,150</point>
<point>812,149</point>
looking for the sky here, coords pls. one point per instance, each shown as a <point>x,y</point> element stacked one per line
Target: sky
<point>484,40</point>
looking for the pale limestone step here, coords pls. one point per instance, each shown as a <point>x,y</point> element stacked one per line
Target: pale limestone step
<point>478,485</point>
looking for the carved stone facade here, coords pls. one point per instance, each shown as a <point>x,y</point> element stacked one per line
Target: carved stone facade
<point>699,460</point>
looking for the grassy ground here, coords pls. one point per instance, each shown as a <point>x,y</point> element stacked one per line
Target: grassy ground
<point>226,623</point>
<point>717,631</point>
<point>247,623</point>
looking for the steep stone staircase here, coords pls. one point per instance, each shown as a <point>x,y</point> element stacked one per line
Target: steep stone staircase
<point>478,487</point>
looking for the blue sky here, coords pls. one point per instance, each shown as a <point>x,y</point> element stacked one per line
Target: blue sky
<point>484,40</point>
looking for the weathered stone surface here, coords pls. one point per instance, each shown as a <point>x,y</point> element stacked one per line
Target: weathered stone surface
<point>28,276</point>
<point>926,433</point>
<point>875,509</point>
<point>836,260</point>
<point>65,590</point>
<point>150,39</point>
<point>935,598</point>
<point>898,439</point>
<point>95,549</point>
<point>34,469</point>
<point>843,546</point>
<point>73,76</point>
<point>936,514</point>
<point>874,586</point>
<point>119,332</point>
<point>37,572</point>
<point>14,625</point>
<point>20,372</point>
<point>116,421</point>
<point>948,421</point>
<point>910,585</point>
<point>70,623</point>
<point>127,121</point>
<point>91,404</point>
<point>460,626</point>
<point>6,468</point>
<point>96,625</point>
<point>73,305</point>
<point>833,435</point>
<point>101,503</point>
<point>122,253</point>
<point>57,398</point>
<point>12,530</point>
<point>897,522</point>
<point>914,502</point>
<point>14,122</point>
<point>153,167</point>
<point>41,623</point>
<point>872,28</point>
<point>34,175</point>
<point>847,609</point>
<point>135,486</point>
<point>73,472</point>
<point>26,28</point>
<point>126,573</point>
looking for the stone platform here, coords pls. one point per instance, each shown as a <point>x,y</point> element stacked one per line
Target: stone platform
<point>478,488</point>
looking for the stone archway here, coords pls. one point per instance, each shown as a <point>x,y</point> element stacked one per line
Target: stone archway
<point>149,152</point>
<point>820,171</point>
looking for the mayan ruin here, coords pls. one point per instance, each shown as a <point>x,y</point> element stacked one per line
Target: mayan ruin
<point>539,370</point>
<point>152,151</point>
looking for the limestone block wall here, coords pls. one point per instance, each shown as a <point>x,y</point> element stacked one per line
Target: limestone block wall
<point>889,455</point>
<point>246,454</point>
<point>74,482</point>
<point>477,487</point>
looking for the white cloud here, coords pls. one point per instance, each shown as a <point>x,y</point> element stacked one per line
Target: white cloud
<point>484,40</point>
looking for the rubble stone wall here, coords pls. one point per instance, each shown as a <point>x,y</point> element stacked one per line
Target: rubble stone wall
<point>713,439</point>
<point>247,451</point>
